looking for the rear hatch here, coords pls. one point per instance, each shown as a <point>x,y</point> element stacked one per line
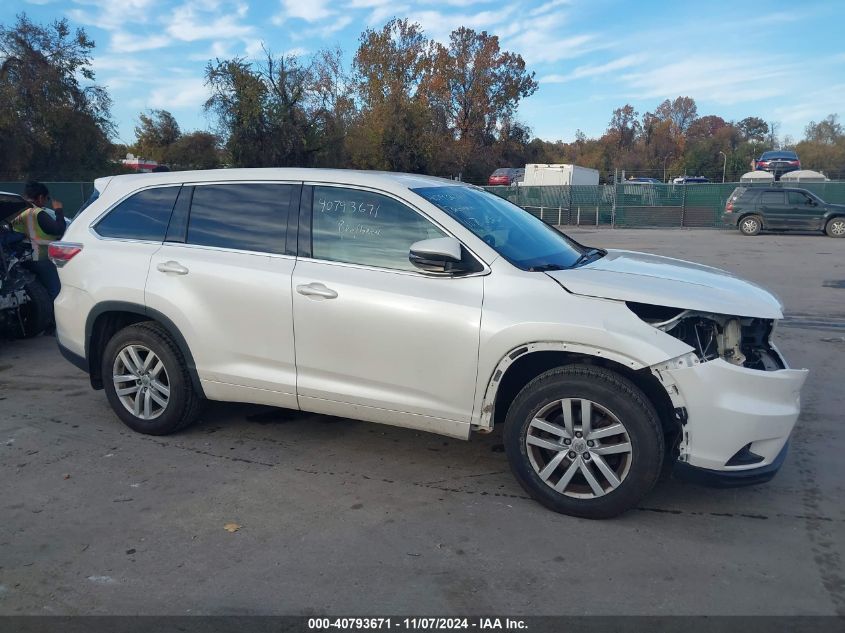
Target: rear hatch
<point>10,205</point>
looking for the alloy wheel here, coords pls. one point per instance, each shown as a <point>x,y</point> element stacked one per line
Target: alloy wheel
<point>141,382</point>
<point>837,228</point>
<point>749,225</point>
<point>579,448</point>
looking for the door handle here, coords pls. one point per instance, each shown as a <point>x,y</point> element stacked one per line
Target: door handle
<point>315,289</point>
<point>172,267</point>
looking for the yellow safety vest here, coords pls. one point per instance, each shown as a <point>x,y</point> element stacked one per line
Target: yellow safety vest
<point>26,222</point>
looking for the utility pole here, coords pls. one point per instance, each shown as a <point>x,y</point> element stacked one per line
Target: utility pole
<point>724,164</point>
<point>664,166</point>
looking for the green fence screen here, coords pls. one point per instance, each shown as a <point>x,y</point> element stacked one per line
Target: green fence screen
<point>639,205</point>
<point>71,194</point>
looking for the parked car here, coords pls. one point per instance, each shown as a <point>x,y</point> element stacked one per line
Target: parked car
<point>423,303</point>
<point>643,180</point>
<point>755,209</point>
<point>777,162</point>
<point>690,180</point>
<point>506,176</point>
<point>25,306</point>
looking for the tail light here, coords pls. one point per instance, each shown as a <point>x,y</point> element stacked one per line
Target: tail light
<point>795,163</point>
<point>60,253</point>
<point>729,207</point>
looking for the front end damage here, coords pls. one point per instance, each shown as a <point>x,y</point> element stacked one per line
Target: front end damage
<point>739,399</point>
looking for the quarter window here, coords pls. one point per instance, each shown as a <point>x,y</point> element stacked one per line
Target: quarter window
<point>360,227</point>
<point>248,217</point>
<point>772,198</point>
<point>143,216</point>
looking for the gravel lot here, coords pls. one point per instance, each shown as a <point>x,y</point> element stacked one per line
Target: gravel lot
<point>348,517</point>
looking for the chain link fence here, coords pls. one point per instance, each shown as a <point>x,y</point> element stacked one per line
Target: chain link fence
<point>639,205</point>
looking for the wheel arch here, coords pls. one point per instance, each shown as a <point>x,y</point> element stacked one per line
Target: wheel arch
<point>108,317</point>
<point>526,362</point>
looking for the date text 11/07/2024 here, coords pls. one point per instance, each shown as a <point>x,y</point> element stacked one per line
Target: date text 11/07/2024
<point>417,624</point>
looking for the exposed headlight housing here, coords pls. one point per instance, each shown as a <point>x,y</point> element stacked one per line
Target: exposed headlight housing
<point>741,341</point>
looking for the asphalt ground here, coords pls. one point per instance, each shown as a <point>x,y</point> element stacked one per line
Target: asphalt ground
<point>344,517</point>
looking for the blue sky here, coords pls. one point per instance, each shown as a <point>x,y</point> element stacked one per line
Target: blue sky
<point>782,61</point>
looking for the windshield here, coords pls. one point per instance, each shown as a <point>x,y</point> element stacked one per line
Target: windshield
<point>519,237</point>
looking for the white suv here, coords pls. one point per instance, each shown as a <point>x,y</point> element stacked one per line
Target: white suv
<point>424,303</point>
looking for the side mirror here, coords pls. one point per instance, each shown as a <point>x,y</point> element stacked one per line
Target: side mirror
<point>439,255</point>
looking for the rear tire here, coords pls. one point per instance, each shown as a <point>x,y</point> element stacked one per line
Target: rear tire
<point>602,468</point>
<point>146,380</point>
<point>835,227</point>
<point>750,225</point>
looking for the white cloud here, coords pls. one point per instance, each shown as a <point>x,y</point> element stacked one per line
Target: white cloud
<point>110,15</point>
<point>308,10</point>
<point>720,79</point>
<point>324,31</point>
<point>438,26</point>
<point>219,49</point>
<point>174,93</point>
<point>582,72</point>
<point>297,51</point>
<point>548,6</point>
<point>126,42</point>
<point>811,106</point>
<point>194,21</point>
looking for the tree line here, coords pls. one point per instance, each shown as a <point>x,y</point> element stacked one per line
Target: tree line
<point>404,103</point>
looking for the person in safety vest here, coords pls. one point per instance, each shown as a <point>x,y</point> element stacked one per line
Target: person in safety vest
<point>42,225</point>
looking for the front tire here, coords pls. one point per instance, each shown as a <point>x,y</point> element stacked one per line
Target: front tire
<point>584,441</point>
<point>835,227</point>
<point>750,225</point>
<point>147,382</point>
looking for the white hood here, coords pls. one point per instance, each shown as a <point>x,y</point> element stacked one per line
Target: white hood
<point>656,280</point>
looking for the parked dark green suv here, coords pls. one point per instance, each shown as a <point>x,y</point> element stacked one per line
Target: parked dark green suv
<point>755,209</point>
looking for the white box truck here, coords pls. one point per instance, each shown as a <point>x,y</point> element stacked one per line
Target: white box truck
<point>543,175</point>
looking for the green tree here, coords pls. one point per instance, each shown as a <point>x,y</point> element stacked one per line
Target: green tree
<point>54,120</point>
<point>827,131</point>
<point>681,111</point>
<point>155,133</point>
<point>478,86</point>
<point>195,150</point>
<point>623,126</point>
<point>753,128</point>
<point>265,111</point>
<point>390,131</point>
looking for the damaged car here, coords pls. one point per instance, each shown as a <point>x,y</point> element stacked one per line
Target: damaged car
<point>429,304</point>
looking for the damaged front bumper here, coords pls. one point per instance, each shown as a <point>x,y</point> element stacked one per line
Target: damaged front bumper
<point>738,420</point>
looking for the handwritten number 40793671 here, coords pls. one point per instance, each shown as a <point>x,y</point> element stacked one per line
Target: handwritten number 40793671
<point>349,206</point>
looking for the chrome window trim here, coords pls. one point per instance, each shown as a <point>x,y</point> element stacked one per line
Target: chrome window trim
<point>396,271</point>
<point>223,249</point>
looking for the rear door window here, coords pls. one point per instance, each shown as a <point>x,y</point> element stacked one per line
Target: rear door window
<point>142,216</point>
<point>772,198</point>
<point>247,217</point>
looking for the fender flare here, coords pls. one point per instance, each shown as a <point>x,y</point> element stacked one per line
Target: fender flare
<point>484,423</point>
<point>153,315</point>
